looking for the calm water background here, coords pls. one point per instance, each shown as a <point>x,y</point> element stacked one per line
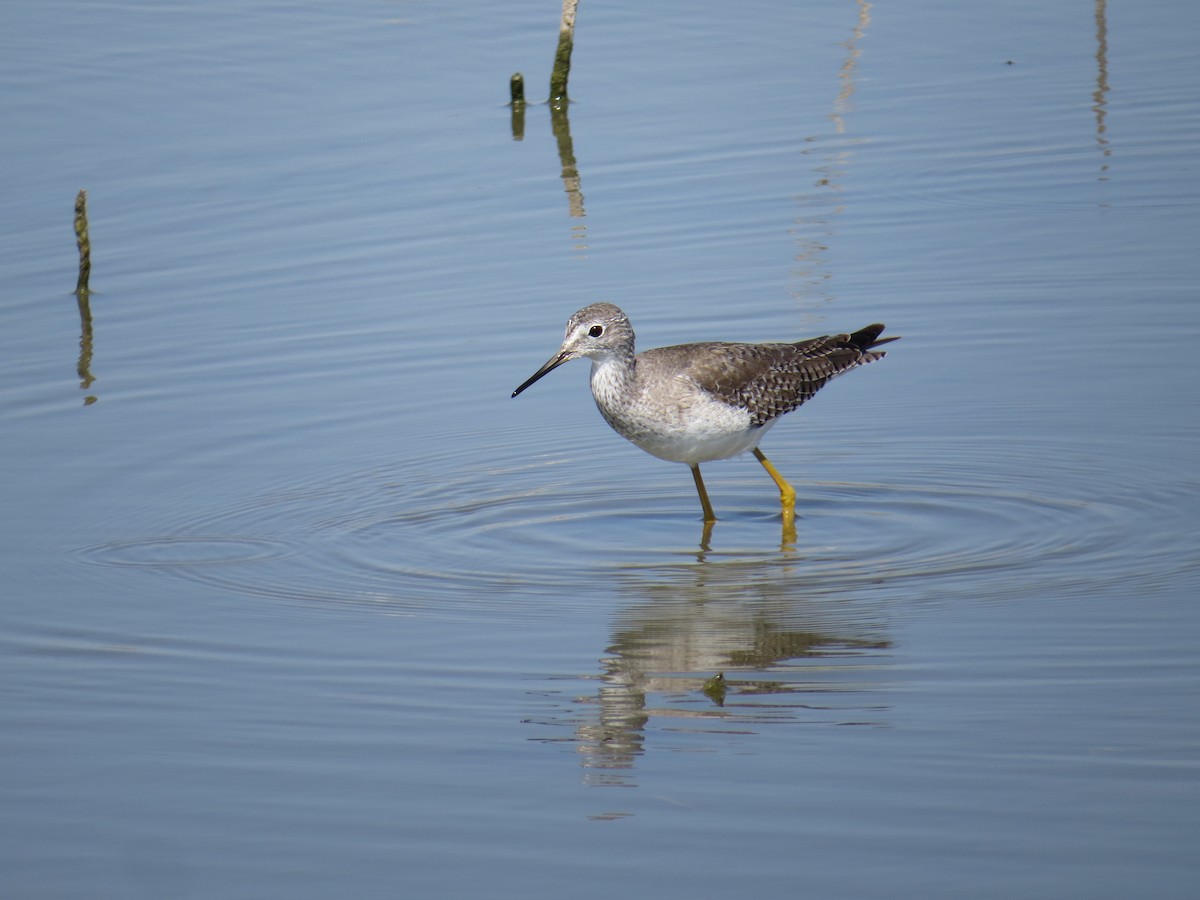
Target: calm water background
<point>298,603</point>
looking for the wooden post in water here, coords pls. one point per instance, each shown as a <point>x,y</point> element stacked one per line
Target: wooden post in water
<point>84,244</point>
<point>562,57</point>
<point>516,89</point>
<point>84,366</point>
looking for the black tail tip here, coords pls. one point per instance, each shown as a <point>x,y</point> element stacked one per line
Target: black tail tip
<point>869,337</point>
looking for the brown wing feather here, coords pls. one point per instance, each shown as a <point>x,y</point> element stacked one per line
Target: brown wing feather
<point>770,380</point>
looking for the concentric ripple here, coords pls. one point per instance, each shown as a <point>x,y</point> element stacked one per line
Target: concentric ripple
<point>186,550</point>
<point>984,521</point>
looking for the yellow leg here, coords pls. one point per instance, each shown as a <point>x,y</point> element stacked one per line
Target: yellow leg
<point>709,515</point>
<point>787,493</point>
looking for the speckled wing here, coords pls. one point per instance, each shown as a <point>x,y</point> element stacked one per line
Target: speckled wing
<point>770,380</point>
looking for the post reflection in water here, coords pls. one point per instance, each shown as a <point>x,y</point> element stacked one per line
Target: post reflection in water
<point>1100,95</point>
<point>83,367</point>
<point>813,227</point>
<point>560,125</point>
<point>789,656</point>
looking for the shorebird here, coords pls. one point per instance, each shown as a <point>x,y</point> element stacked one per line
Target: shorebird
<point>694,403</point>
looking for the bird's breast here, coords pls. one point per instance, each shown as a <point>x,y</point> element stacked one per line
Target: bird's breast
<point>672,418</point>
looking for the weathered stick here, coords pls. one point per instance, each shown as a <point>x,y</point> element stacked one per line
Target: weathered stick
<point>82,241</point>
<point>562,56</point>
<point>516,88</point>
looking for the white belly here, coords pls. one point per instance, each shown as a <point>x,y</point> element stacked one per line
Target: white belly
<point>694,446</point>
<point>677,422</point>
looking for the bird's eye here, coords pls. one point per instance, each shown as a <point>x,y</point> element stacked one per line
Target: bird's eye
<point>596,330</point>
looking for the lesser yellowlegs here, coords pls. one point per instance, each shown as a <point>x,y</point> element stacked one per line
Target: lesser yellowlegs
<point>693,403</point>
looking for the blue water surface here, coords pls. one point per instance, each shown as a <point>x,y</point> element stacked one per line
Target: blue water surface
<point>298,602</point>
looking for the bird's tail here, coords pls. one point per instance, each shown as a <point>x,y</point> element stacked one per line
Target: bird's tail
<point>868,338</point>
<point>865,340</point>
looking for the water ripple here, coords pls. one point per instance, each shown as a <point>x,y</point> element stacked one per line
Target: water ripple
<point>532,534</point>
<point>184,550</point>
